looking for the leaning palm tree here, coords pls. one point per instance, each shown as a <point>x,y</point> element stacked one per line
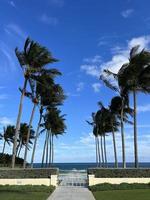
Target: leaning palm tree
<point>7,136</point>
<point>53,124</point>
<point>137,63</point>
<point>124,102</point>
<point>49,94</point>
<point>23,135</point>
<point>96,136</point>
<point>32,59</point>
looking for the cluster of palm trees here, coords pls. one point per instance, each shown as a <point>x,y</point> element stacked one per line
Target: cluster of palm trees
<point>46,95</point>
<point>132,77</point>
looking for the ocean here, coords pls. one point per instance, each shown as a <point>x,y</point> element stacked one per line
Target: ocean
<point>85,166</point>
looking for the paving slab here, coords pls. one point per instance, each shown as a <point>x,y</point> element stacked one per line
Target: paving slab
<point>71,193</point>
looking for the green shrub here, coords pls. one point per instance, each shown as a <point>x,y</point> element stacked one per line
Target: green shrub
<point>120,173</point>
<point>26,188</point>
<point>27,173</point>
<point>122,186</point>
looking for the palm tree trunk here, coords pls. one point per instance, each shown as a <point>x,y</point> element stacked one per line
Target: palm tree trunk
<point>28,136</point>
<point>122,137</point>
<point>52,149</point>
<point>102,151</point>
<point>4,147</point>
<point>19,150</point>
<point>135,130</point>
<point>18,123</point>
<point>96,151</point>
<point>47,147</point>
<point>44,149</point>
<point>105,152</point>
<point>35,141</point>
<point>115,150</point>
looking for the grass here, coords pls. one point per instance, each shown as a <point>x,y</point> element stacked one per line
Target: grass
<point>134,194</point>
<point>25,192</point>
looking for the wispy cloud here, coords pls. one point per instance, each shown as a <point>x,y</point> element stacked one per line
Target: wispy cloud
<point>91,66</point>
<point>143,108</point>
<point>127,13</point>
<point>120,55</point>
<point>96,87</point>
<point>58,3</point>
<point>49,20</point>
<point>16,30</point>
<point>7,58</point>
<point>95,59</point>
<point>80,87</point>
<point>5,121</point>
<point>12,4</point>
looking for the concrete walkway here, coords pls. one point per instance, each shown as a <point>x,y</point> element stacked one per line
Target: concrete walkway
<point>71,193</point>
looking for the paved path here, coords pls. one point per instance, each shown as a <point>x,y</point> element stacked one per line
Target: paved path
<point>71,193</point>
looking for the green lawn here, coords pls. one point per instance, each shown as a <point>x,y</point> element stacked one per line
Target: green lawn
<point>138,194</point>
<point>24,195</point>
<point>25,192</point>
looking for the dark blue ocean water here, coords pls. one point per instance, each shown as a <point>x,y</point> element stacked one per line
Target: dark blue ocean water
<point>84,166</point>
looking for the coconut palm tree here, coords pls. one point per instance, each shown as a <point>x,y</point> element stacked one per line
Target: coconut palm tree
<point>7,136</point>
<point>50,94</point>
<point>53,125</point>
<point>138,61</point>
<point>32,59</point>
<point>96,136</point>
<point>23,137</point>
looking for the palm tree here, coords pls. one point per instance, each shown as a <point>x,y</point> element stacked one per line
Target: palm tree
<point>8,134</point>
<point>32,59</point>
<point>129,80</point>
<point>23,135</point>
<point>121,103</point>
<point>97,145</point>
<point>53,125</point>
<point>48,94</point>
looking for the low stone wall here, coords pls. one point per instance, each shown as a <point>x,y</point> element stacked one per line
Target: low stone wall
<point>29,177</point>
<point>94,181</point>
<point>118,176</point>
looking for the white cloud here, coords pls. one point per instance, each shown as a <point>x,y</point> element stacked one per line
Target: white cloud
<point>144,108</point>
<point>12,4</point>
<point>96,87</point>
<point>68,94</point>
<point>127,13</point>
<point>49,20</point>
<point>120,56</point>
<point>15,29</point>
<point>5,121</point>
<point>91,69</point>
<point>80,87</point>
<point>95,59</point>
<point>7,58</point>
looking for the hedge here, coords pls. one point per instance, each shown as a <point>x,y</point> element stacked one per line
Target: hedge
<point>27,173</point>
<point>26,188</point>
<point>119,173</point>
<point>122,186</point>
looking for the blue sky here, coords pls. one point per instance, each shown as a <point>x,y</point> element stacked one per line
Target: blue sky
<point>86,36</point>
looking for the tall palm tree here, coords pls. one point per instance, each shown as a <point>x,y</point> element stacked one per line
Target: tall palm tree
<point>129,80</point>
<point>53,124</point>
<point>7,136</point>
<point>96,136</point>
<point>121,103</point>
<point>50,94</point>
<point>23,135</point>
<point>32,59</point>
